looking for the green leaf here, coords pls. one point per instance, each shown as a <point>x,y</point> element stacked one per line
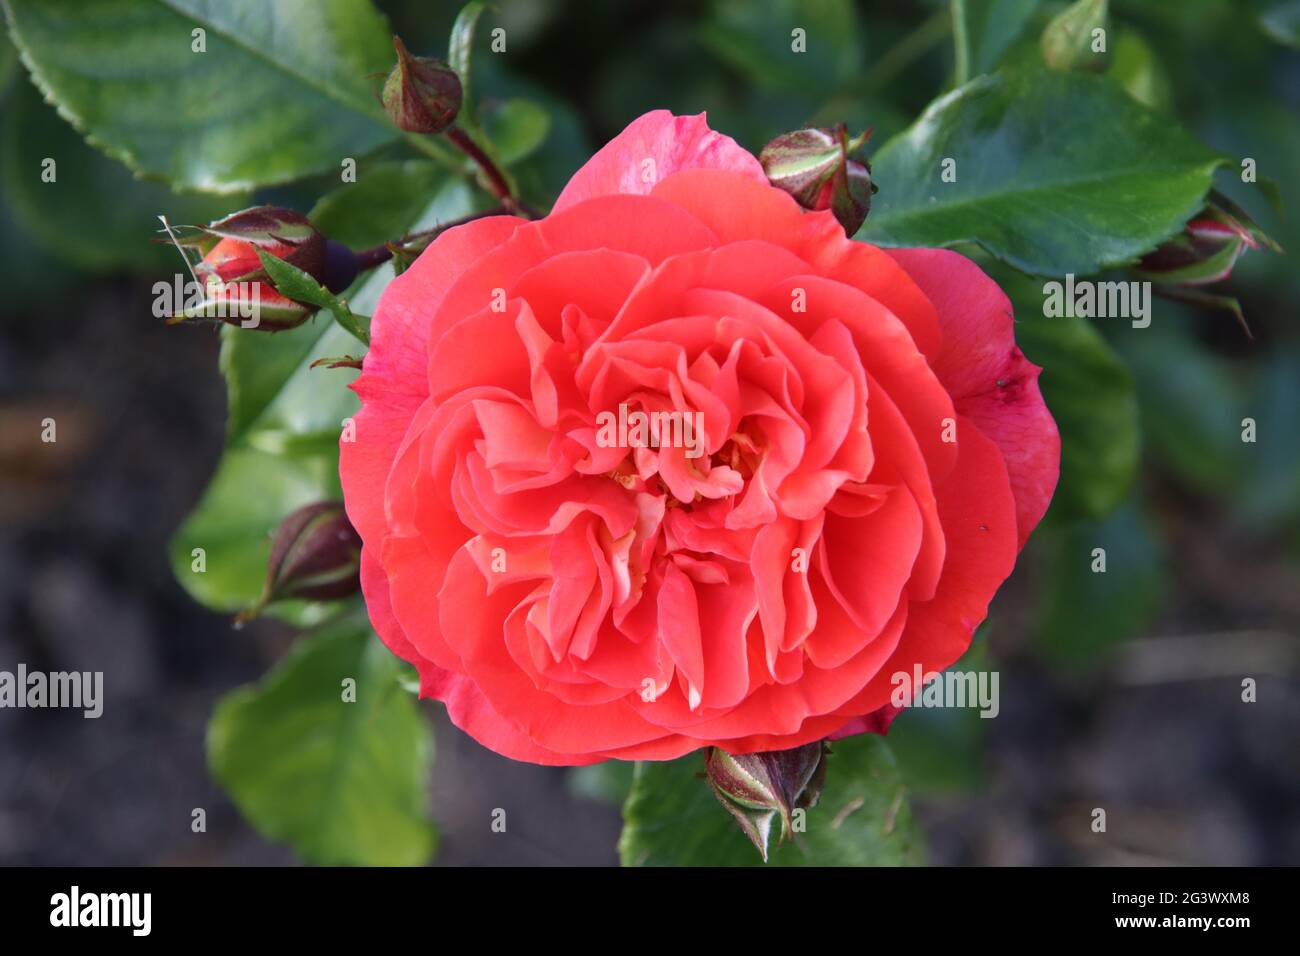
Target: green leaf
<point>1087,612</point>
<point>1192,407</point>
<point>341,782</point>
<point>984,29</point>
<point>279,403</point>
<point>94,214</point>
<point>219,554</point>
<point>517,128</point>
<point>383,204</point>
<point>940,749</point>
<point>862,819</point>
<point>291,281</point>
<point>281,91</point>
<point>276,401</point>
<point>1092,397</point>
<point>1068,42</point>
<point>1055,173</point>
<point>607,782</point>
<point>8,62</point>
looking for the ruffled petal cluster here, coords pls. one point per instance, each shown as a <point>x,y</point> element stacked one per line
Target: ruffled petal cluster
<point>680,465</point>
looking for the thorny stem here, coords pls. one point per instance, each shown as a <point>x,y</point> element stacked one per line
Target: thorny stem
<point>369,258</point>
<point>500,187</point>
<point>497,182</point>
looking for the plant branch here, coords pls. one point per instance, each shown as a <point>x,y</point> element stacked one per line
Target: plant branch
<point>498,185</point>
<point>961,43</point>
<point>376,255</point>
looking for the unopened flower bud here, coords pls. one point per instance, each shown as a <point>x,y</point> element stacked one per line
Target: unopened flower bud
<point>234,286</point>
<point>284,233</point>
<point>820,169</point>
<point>315,556</point>
<point>759,788</point>
<point>1207,248</point>
<point>421,94</point>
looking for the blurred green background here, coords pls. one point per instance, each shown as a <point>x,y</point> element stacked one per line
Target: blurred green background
<point>1119,690</point>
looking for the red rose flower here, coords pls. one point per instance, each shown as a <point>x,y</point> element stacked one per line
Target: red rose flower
<point>850,452</point>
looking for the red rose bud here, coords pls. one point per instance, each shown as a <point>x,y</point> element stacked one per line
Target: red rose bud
<point>1208,247</point>
<point>285,234</point>
<point>240,301</point>
<point>315,556</point>
<point>421,94</point>
<point>759,788</point>
<point>819,169</point>
<point>233,283</point>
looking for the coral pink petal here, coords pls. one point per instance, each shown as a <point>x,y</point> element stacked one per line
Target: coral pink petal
<point>979,517</point>
<point>651,148</point>
<point>473,621</point>
<point>465,704</point>
<point>392,381</point>
<point>990,380</point>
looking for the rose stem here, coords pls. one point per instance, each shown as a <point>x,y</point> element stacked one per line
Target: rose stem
<point>369,258</point>
<point>496,179</point>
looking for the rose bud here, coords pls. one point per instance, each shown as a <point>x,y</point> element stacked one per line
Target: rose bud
<point>315,556</point>
<point>1208,247</point>
<point>756,788</point>
<point>286,234</point>
<point>231,274</point>
<point>817,167</point>
<point>421,94</point>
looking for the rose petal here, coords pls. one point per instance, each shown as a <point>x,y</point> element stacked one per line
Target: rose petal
<point>990,380</point>
<point>652,147</point>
